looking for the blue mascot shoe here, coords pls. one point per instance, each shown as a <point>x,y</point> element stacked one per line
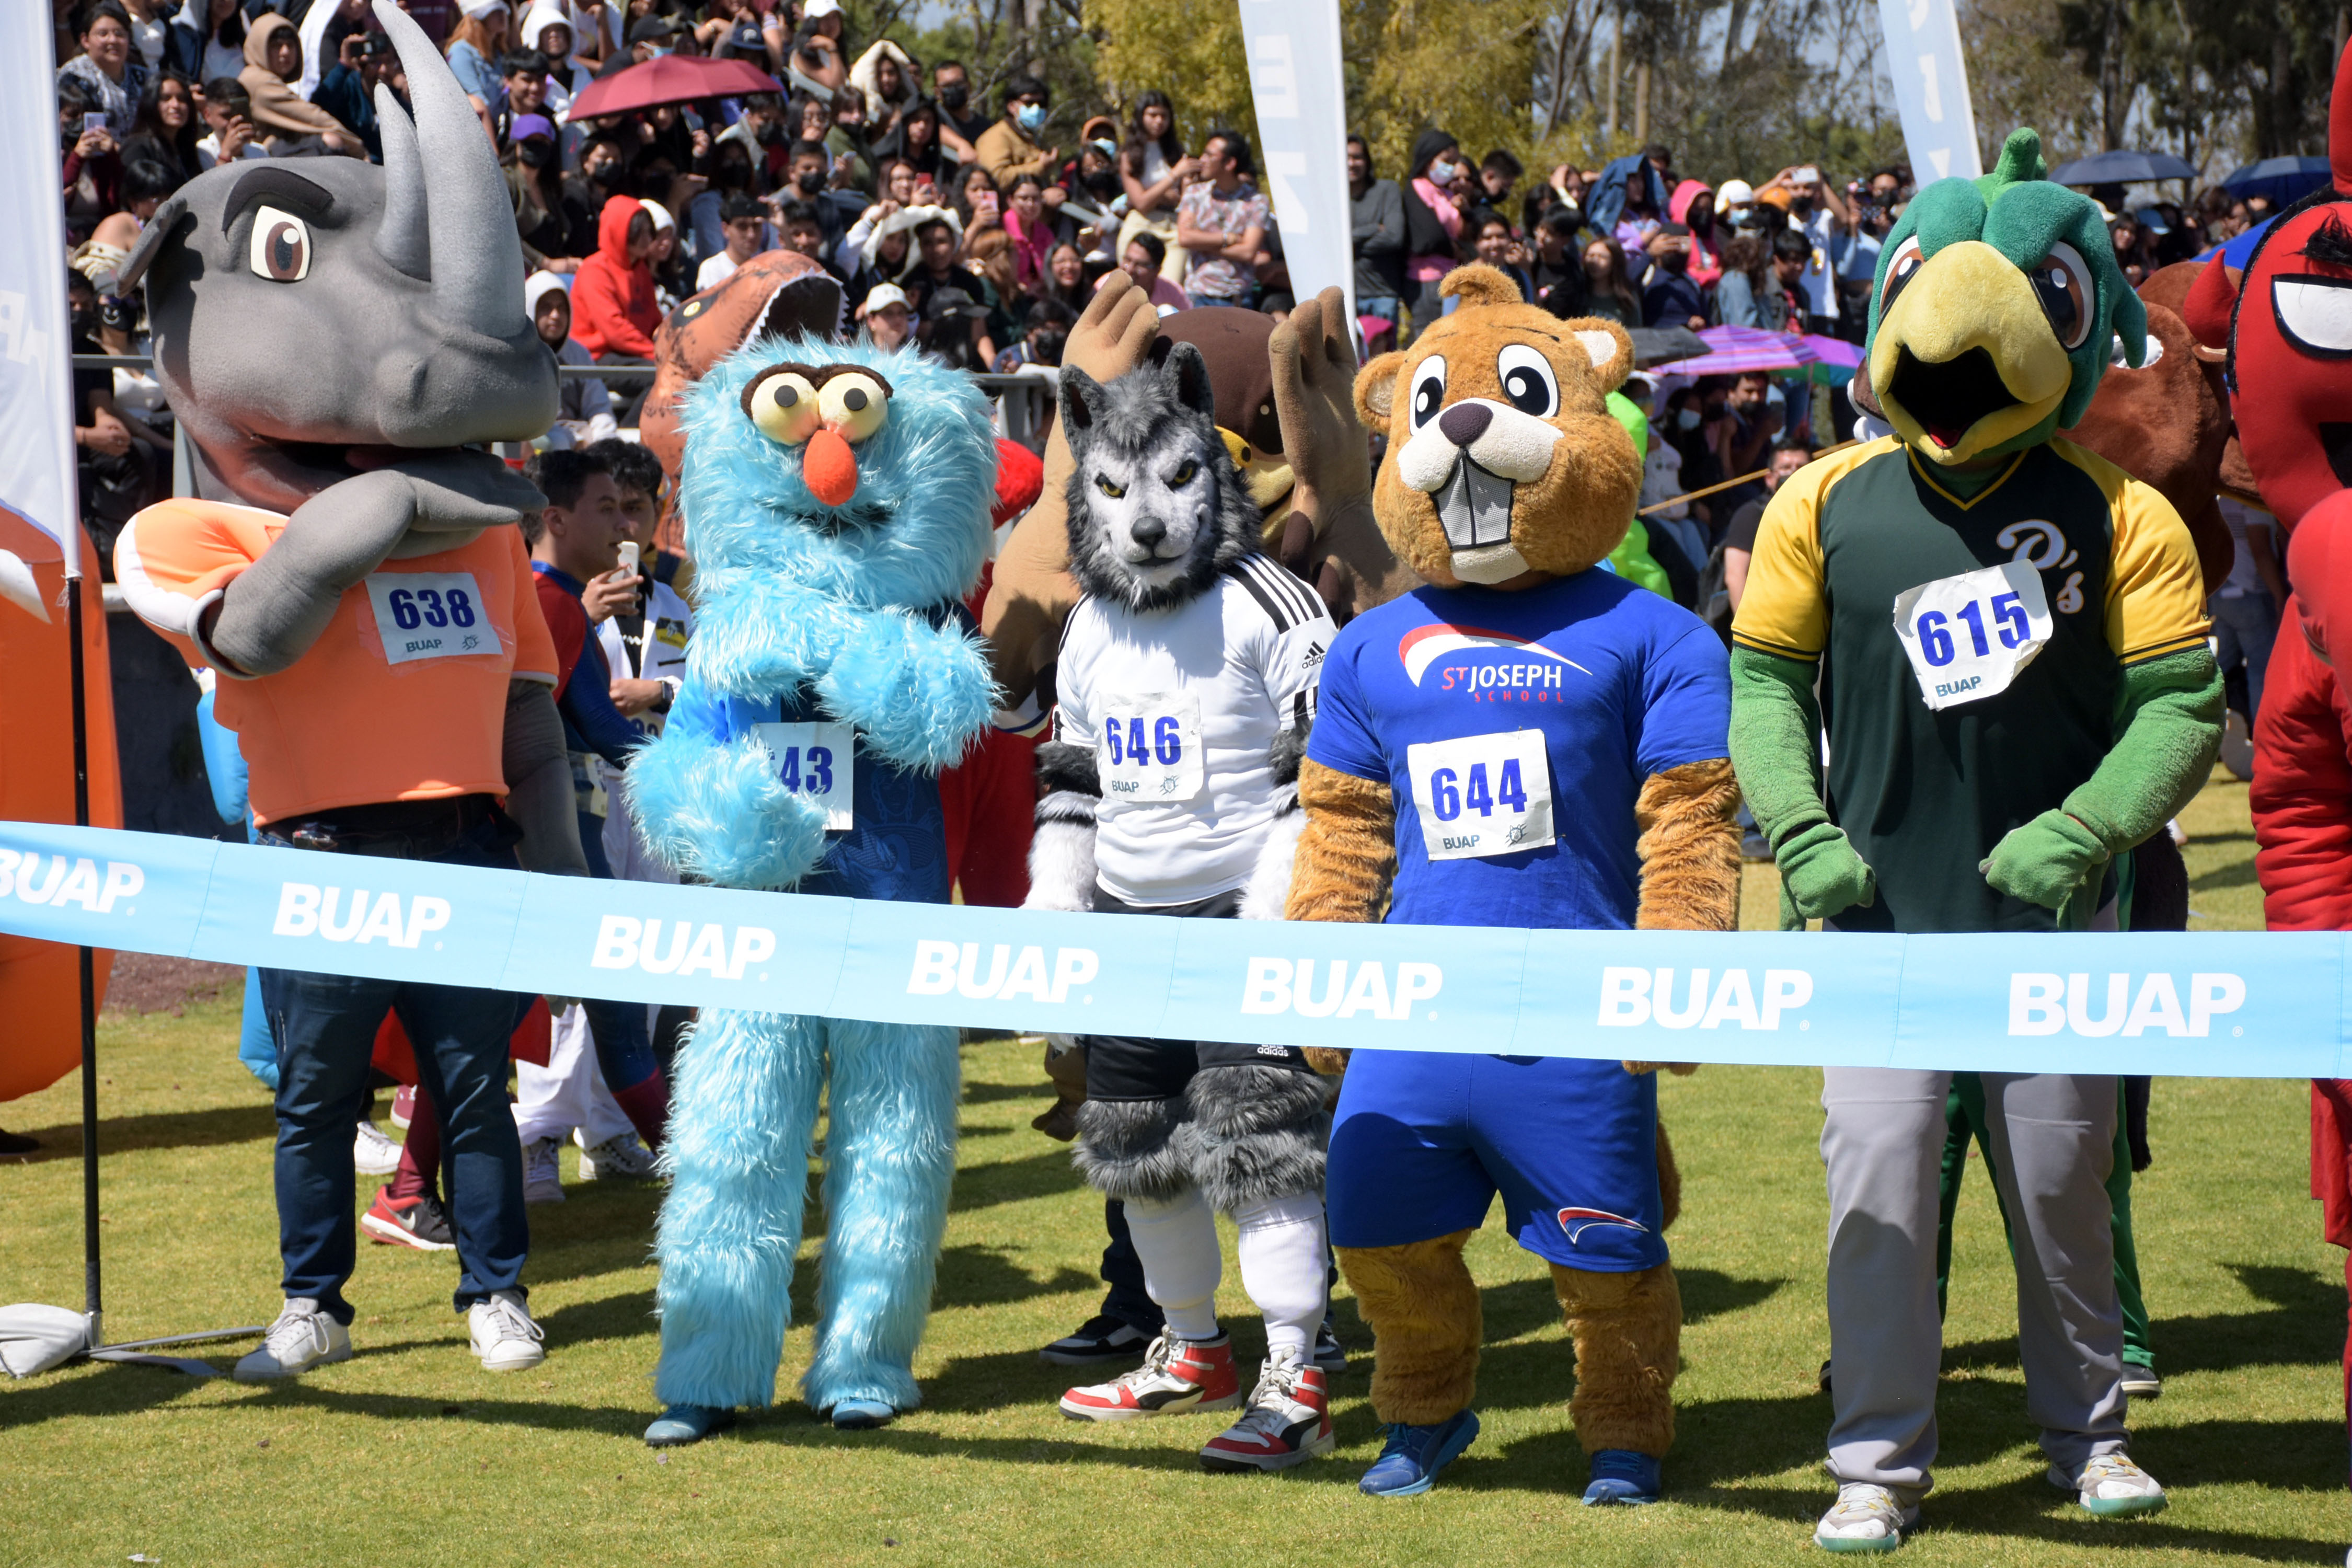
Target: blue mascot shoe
<point>1408,1467</point>
<point>683,1424</point>
<point>1620,1475</point>
<point>859,1414</point>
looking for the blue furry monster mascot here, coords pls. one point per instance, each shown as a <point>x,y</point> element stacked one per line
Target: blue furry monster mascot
<point>837,504</point>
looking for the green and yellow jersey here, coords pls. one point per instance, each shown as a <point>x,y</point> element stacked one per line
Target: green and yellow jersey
<point>1971,651</point>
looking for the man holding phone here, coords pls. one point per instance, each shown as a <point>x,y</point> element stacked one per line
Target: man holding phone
<point>1822,215</point>
<point>577,544</point>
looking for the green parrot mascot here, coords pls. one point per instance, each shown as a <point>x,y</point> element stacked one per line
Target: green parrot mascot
<point>2007,633</point>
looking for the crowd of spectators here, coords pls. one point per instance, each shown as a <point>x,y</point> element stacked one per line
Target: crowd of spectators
<point>971,217</point>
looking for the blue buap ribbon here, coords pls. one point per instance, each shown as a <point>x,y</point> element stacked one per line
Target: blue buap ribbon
<point>2220,1004</point>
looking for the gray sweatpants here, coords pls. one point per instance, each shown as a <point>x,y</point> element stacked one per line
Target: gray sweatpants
<point>2052,1137</point>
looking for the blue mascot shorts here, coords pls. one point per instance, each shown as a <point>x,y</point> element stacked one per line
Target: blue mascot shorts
<point>1423,1140</point>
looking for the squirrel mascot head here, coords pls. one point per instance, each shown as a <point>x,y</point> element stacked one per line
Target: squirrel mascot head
<point>1503,457</point>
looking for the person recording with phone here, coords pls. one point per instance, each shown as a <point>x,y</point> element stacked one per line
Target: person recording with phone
<point>577,547</point>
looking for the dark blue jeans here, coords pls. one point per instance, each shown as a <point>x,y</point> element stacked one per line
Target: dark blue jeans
<point>325,1027</point>
<point>1122,1270</point>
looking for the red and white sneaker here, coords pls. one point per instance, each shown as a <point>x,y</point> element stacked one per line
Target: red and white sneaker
<point>1288,1423</point>
<point>416,1222</point>
<point>1176,1376</point>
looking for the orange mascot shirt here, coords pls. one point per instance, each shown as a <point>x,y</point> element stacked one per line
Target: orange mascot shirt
<point>404,695</point>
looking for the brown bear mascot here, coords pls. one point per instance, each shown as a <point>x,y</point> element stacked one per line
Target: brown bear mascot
<point>1527,741</point>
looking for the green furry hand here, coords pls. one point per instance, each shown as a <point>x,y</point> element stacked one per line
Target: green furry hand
<point>1823,875</point>
<point>2044,861</point>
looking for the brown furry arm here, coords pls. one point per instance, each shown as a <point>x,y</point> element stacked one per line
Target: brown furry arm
<point>1689,848</point>
<point>1690,856</point>
<point>1347,856</point>
<point>1347,853</point>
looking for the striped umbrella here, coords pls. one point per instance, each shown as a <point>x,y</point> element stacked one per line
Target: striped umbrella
<point>1732,350</point>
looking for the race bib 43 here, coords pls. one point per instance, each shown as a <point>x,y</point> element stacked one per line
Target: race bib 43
<point>430,614</point>
<point>816,760</point>
<point>1482,795</point>
<point>1967,636</point>
<point>1149,751</point>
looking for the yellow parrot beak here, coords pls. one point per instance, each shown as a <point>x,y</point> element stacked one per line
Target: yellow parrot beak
<point>1966,359</point>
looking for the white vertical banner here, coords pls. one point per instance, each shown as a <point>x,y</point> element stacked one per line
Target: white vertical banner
<point>36,449</point>
<point>1298,88</point>
<point>1931,88</point>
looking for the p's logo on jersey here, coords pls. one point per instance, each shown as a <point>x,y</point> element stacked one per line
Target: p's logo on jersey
<point>2038,543</point>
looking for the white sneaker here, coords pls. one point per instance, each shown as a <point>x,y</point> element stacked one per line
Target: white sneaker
<point>1865,1517</point>
<point>2111,1486</point>
<point>373,1155</point>
<point>504,1336</point>
<point>542,1179</point>
<point>303,1337</point>
<point>623,1157</point>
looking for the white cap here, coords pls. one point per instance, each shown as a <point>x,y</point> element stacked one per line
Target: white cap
<point>882,296</point>
<point>658,213</point>
<point>815,8</point>
<point>478,9</point>
<point>1734,194</point>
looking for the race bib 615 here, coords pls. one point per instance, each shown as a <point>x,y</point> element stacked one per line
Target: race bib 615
<point>1967,636</point>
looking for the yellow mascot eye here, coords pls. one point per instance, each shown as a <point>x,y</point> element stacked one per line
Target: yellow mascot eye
<point>1183,476</point>
<point>854,403</point>
<point>1102,483</point>
<point>783,405</point>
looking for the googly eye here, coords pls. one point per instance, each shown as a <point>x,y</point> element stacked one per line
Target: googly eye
<point>2061,281</point>
<point>1527,380</point>
<point>783,404</point>
<point>1428,390</point>
<point>1901,268</point>
<point>854,403</point>
<point>280,246</point>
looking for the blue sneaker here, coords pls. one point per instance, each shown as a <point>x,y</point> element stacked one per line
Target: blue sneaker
<point>1408,1467</point>
<point>683,1424</point>
<point>1620,1475</point>
<point>859,1414</point>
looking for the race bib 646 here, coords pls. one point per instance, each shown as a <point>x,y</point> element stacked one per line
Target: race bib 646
<point>1148,752</point>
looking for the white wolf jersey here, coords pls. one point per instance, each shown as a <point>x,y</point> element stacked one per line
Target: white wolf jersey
<point>1183,706</point>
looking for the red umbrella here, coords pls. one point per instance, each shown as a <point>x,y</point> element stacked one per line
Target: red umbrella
<point>670,79</point>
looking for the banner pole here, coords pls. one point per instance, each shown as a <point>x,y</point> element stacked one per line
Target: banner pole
<point>93,1299</point>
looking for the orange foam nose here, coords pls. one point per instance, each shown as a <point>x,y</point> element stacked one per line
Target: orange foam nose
<point>829,468</point>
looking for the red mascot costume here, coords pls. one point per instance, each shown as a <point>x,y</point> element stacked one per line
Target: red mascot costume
<point>2288,322</point>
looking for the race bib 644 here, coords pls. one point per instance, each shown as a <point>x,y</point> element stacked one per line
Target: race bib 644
<point>1482,795</point>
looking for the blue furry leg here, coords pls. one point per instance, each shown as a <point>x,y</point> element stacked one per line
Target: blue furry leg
<point>889,1163</point>
<point>742,1120</point>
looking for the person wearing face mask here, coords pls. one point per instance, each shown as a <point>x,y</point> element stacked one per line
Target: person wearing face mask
<point>952,89</point>
<point>1433,221</point>
<point>532,167</point>
<point>1010,146</point>
<point>1671,297</point>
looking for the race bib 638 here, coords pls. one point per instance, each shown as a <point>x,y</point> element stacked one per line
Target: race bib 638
<point>430,614</point>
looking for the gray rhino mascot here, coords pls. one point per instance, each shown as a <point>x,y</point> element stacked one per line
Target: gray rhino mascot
<point>340,343</point>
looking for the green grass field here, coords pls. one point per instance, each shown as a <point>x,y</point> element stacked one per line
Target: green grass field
<point>410,1454</point>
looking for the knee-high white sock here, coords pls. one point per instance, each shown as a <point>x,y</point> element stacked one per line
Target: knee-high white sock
<point>1177,1243</point>
<point>1283,1269</point>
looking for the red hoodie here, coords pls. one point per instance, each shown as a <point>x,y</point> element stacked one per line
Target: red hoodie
<point>1707,253</point>
<point>613,308</point>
